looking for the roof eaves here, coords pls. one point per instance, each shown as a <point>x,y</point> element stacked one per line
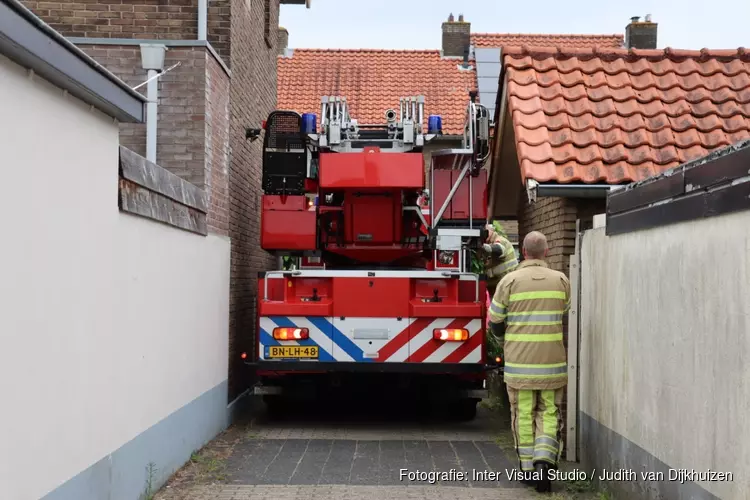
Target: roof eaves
<point>28,41</point>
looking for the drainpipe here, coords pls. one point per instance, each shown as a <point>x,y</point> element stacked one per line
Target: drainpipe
<point>202,19</point>
<point>152,60</point>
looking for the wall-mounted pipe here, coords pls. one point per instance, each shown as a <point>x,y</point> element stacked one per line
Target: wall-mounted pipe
<point>152,94</point>
<point>202,19</point>
<point>152,60</point>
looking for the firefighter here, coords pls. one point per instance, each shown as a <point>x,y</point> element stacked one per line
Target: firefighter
<point>500,257</point>
<point>526,313</point>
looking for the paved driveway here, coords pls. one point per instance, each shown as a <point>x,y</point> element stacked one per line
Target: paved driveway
<point>345,454</point>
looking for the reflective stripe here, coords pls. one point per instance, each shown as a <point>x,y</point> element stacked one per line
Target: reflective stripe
<point>545,455</point>
<point>533,337</point>
<point>525,418</point>
<point>540,370</point>
<point>524,376</point>
<point>548,441</point>
<point>527,465</point>
<point>525,452</point>
<point>501,268</point>
<point>497,312</point>
<point>536,319</point>
<point>547,448</point>
<point>515,297</point>
<point>533,316</point>
<point>498,308</point>
<point>531,313</point>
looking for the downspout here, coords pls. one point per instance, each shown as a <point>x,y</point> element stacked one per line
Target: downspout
<point>202,19</point>
<point>152,94</point>
<point>152,60</point>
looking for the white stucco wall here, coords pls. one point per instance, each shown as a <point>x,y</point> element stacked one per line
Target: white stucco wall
<point>665,344</point>
<point>110,322</point>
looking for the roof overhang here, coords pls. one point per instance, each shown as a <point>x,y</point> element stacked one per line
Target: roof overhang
<point>543,190</point>
<point>306,3</point>
<point>31,43</point>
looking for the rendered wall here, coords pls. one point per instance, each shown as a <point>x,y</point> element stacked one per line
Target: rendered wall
<point>665,344</point>
<point>114,328</point>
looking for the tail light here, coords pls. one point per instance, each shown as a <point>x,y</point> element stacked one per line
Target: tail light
<point>450,334</point>
<point>287,333</point>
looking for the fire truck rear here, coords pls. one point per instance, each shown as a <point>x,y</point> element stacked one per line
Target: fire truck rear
<point>381,291</point>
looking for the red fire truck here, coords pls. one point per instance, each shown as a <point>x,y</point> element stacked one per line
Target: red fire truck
<point>383,290</point>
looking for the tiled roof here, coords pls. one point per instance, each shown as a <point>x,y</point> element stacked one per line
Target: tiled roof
<point>620,116</point>
<point>563,41</point>
<point>373,81</point>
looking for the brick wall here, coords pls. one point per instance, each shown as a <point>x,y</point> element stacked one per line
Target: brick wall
<point>145,19</point>
<point>556,219</point>
<point>252,99</point>
<point>219,28</point>
<point>180,134</point>
<point>217,135</point>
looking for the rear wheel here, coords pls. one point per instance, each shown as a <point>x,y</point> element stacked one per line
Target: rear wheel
<point>465,410</point>
<point>275,407</point>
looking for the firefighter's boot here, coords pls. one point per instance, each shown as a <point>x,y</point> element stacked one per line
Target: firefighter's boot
<point>543,484</point>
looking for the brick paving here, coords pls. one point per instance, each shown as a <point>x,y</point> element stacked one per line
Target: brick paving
<point>344,457</point>
<point>348,492</point>
<point>372,463</point>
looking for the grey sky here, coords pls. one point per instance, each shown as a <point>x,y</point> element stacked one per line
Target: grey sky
<point>415,24</point>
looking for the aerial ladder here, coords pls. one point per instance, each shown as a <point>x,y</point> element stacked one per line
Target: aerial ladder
<point>382,289</point>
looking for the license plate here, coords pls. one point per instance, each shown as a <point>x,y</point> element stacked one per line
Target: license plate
<point>293,351</point>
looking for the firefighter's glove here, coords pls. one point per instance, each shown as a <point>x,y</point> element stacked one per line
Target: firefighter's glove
<point>498,330</point>
<point>487,248</point>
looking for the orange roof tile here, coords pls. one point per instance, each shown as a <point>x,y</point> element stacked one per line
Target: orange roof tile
<point>373,81</point>
<point>620,116</point>
<point>563,41</point>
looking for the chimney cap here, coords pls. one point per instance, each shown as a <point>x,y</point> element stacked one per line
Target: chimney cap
<point>451,18</point>
<point>635,19</point>
<point>460,18</point>
<point>281,28</point>
<point>647,18</point>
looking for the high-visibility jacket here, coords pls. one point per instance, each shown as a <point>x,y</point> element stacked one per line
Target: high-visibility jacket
<point>501,260</point>
<point>532,302</point>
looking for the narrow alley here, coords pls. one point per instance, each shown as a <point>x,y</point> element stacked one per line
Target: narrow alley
<point>365,453</point>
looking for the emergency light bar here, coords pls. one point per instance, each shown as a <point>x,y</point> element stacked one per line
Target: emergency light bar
<point>286,333</point>
<point>450,334</point>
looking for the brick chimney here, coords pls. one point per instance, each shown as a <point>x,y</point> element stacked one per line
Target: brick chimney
<point>283,41</point>
<point>456,37</point>
<point>640,34</point>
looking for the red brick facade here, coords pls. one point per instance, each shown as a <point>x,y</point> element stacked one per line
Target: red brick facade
<point>202,114</point>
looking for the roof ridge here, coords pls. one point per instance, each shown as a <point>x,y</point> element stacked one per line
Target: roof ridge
<point>538,52</point>
<point>560,35</point>
<point>297,49</point>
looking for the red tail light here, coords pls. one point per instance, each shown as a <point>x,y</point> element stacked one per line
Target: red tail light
<point>450,334</point>
<point>291,333</point>
<point>263,124</point>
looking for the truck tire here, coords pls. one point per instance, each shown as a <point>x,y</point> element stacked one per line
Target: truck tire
<point>275,407</point>
<point>465,410</point>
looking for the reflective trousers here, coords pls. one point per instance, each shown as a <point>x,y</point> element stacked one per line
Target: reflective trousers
<point>537,423</point>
